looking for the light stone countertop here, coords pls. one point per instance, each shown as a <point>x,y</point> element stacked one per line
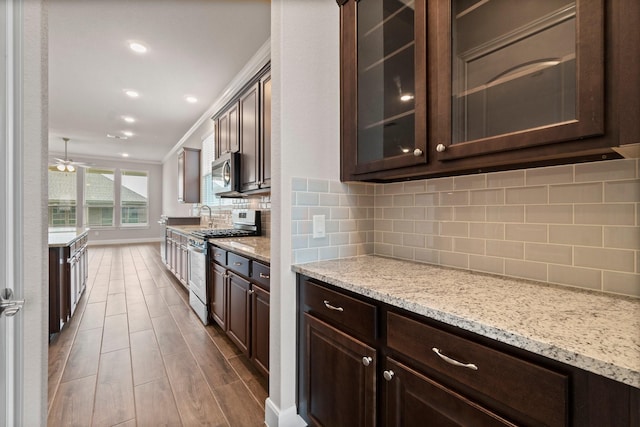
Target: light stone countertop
<point>61,237</point>
<point>596,332</point>
<point>254,247</point>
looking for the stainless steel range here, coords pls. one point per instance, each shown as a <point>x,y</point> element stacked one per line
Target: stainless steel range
<point>245,223</point>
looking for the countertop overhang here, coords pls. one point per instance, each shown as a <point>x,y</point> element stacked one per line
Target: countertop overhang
<point>597,332</point>
<point>61,237</point>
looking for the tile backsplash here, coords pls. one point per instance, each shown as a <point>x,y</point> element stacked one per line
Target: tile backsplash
<point>221,215</point>
<point>575,225</point>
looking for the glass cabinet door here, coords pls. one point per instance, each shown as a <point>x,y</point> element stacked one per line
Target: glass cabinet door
<point>385,84</point>
<point>523,73</point>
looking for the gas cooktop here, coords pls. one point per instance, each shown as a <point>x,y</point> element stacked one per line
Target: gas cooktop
<point>245,223</point>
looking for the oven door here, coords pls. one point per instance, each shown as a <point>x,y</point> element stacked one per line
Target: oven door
<point>198,281</point>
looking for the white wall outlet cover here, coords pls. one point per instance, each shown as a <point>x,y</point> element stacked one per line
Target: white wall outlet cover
<point>318,227</point>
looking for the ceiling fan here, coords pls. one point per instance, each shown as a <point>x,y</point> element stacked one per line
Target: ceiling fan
<point>66,164</point>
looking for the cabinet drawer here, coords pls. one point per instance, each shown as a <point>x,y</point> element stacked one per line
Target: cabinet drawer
<point>218,255</point>
<point>260,274</point>
<point>345,311</point>
<point>534,391</point>
<point>238,263</point>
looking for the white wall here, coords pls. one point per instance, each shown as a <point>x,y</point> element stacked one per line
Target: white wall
<point>306,143</point>
<point>170,204</point>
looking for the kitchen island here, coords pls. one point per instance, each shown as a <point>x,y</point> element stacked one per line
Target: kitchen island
<point>476,334</point>
<point>68,270</point>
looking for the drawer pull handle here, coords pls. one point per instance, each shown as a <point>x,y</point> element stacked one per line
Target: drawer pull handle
<point>332,307</point>
<point>388,375</point>
<point>237,263</point>
<point>264,276</point>
<point>366,360</point>
<point>453,361</point>
<point>216,255</point>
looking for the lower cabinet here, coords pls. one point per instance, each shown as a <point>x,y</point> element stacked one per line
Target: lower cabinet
<point>412,398</point>
<point>339,377</point>
<point>239,302</point>
<point>177,255</point>
<point>68,273</point>
<point>364,363</point>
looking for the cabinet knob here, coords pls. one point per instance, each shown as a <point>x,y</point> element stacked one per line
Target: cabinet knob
<point>366,360</point>
<point>251,292</point>
<point>440,148</point>
<point>417,152</point>
<point>388,375</point>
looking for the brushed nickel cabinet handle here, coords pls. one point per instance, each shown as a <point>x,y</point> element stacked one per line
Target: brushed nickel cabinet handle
<point>237,263</point>
<point>264,276</point>
<point>453,361</point>
<point>332,307</point>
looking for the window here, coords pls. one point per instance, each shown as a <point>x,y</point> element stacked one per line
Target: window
<point>208,155</point>
<point>99,197</point>
<point>63,189</point>
<point>134,201</point>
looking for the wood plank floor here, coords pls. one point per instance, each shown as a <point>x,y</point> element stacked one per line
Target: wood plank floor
<point>134,353</point>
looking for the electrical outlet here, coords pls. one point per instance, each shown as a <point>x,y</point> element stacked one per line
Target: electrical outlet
<point>318,227</point>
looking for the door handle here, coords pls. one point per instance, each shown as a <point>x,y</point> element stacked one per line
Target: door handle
<point>8,305</point>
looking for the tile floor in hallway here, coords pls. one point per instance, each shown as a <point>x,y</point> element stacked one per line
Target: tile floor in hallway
<point>134,353</point>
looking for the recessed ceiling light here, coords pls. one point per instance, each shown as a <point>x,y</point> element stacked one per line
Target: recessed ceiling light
<point>128,119</point>
<point>137,47</point>
<point>132,93</point>
<point>191,99</point>
<point>127,133</point>
<point>125,155</point>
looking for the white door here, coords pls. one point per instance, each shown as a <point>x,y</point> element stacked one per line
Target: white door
<point>23,245</point>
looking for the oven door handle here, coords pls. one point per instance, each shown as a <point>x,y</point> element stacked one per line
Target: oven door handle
<point>196,249</point>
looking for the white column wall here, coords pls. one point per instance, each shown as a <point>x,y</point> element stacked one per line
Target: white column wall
<point>306,143</point>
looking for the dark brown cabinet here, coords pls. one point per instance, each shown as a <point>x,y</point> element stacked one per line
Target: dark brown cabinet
<point>250,138</point>
<point>239,302</point>
<point>338,377</point>
<point>189,175</point>
<point>227,140</point>
<point>245,127</point>
<point>68,273</point>
<point>260,328</point>
<point>457,86</point>
<point>412,398</point>
<point>389,367</point>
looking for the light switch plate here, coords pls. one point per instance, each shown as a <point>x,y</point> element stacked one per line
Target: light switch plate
<point>318,227</point>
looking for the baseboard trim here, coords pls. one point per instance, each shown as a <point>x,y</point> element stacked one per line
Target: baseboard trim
<point>124,241</point>
<point>274,417</point>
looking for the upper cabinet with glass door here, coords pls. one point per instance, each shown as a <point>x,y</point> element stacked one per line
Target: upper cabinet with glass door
<point>383,85</point>
<point>507,83</point>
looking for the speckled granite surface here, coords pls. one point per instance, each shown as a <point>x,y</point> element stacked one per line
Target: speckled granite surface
<point>595,332</point>
<point>254,247</point>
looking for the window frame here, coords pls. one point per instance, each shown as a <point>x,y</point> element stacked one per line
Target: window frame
<point>121,205</point>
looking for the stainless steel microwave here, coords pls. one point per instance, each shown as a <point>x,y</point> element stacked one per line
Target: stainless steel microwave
<point>225,175</point>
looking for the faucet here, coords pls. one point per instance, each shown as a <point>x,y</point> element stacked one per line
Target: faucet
<point>210,223</point>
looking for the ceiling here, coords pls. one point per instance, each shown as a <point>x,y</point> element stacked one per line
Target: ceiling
<point>195,47</point>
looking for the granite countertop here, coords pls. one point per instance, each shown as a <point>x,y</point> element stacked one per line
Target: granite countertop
<point>64,236</point>
<point>257,247</point>
<point>597,332</point>
<point>254,247</point>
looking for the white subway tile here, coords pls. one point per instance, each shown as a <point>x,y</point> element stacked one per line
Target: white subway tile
<point>605,259</point>
<point>383,224</point>
<point>383,249</point>
<point>394,188</point>
<point>549,214</point>
<point>621,283</point>
<point>468,182</point>
<point>456,229</point>
<point>470,213</point>
<point>328,253</point>
<point>413,240</point>
<point>487,197</point>
<point>300,242</point>
<point>414,186</point>
<point>582,235</point>
<point>505,179</point>
<point>299,184</point>
<point>605,214</point>
<point>339,213</point>
<point>576,193</point>
<point>415,213</point>
<point>402,226</point>
<point>337,239</point>
<point>525,269</point>
<point>403,252</point>
<point>469,246</point>
<point>505,213</point>
<point>427,255</point>
<point>587,278</point>
<point>487,230</point>
<point>526,195</point>
<point>454,198</point>
<point>337,187</point>
<point>486,264</point>
<point>427,227</point>
<point>307,199</point>
<point>454,259</point>
<point>622,191</point>
<point>505,249</point>
<point>348,251</point>
<point>549,175</point>
<point>305,255</point>
<point>403,200</point>
<point>526,232</point>
<point>622,237</point>
<point>392,238</point>
<point>348,225</point>
<point>299,213</point>
<point>427,199</point>
<point>605,171</point>
<point>318,185</point>
<point>552,254</point>
<point>317,242</point>
<point>439,184</point>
